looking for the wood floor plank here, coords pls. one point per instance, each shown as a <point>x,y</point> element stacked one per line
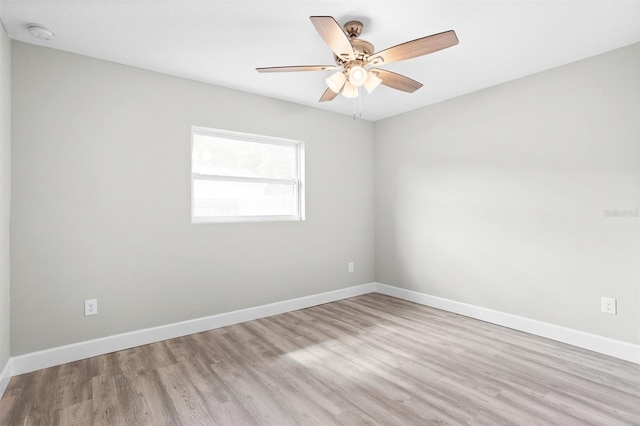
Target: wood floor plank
<point>189,405</point>
<point>371,359</point>
<point>221,405</point>
<point>45,388</point>
<point>277,375</point>
<point>73,384</point>
<point>254,394</point>
<point>320,391</point>
<point>107,400</point>
<point>154,406</point>
<point>79,414</point>
<point>356,365</point>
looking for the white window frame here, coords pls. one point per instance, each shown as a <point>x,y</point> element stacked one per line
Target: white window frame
<point>297,182</point>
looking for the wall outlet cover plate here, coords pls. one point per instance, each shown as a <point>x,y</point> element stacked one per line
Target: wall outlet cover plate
<point>90,307</point>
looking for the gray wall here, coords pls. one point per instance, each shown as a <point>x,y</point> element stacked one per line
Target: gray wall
<point>499,198</point>
<point>101,206</point>
<point>5,192</point>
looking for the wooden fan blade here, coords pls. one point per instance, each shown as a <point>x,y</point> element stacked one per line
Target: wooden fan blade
<point>298,68</point>
<point>397,81</point>
<point>333,34</point>
<point>414,48</point>
<point>328,95</point>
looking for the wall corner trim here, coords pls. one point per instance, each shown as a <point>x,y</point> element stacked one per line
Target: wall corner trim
<point>60,355</point>
<point>603,345</point>
<point>5,376</point>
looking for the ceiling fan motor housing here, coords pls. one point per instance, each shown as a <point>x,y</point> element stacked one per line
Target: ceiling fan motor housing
<point>362,49</point>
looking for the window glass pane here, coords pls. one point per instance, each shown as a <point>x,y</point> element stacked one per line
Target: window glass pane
<point>219,156</point>
<point>228,199</point>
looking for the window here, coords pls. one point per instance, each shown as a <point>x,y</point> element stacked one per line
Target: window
<point>238,177</point>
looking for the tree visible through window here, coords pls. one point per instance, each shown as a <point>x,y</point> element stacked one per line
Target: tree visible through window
<point>242,177</point>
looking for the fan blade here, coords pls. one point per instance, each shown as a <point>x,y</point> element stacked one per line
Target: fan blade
<point>298,68</point>
<point>332,34</point>
<point>328,95</point>
<point>414,48</point>
<point>397,81</point>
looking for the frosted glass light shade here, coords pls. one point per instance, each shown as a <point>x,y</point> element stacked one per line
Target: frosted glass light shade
<point>357,75</point>
<point>349,91</point>
<point>372,82</point>
<point>336,81</point>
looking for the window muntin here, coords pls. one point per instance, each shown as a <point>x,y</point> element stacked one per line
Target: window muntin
<point>241,177</point>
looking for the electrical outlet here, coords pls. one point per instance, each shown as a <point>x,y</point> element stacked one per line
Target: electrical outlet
<point>350,266</point>
<point>609,305</point>
<point>90,307</point>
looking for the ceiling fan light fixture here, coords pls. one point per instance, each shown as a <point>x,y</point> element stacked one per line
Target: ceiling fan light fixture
<point>336,81</point>
<point>372,81</point>
<point>350,91</point>
<point>357,75</point>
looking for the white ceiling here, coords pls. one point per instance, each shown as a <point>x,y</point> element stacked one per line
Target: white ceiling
<point>222,41</point>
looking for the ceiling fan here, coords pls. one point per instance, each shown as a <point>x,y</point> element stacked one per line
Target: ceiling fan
<point>354,58</point>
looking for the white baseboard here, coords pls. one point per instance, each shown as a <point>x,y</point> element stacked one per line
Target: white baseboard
<point>5,376</point>
<point>48,358</point>
<point>55,356</point>
<point>593,342</point>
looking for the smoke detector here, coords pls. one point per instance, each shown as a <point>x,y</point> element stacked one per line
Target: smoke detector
<point>40,32</point>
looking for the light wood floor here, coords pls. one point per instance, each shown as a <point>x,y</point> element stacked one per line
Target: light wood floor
<point>372,359</point>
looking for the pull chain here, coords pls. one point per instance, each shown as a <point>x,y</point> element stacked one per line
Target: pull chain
<point>353,108</point>
<point>359,107</point>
